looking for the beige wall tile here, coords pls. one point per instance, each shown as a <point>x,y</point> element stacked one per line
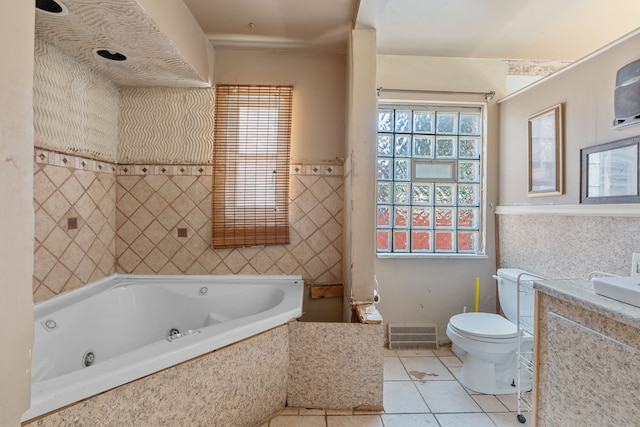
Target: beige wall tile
<point>128,223</point>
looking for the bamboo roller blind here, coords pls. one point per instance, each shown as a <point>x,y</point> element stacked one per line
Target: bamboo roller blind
<point>250,190</point>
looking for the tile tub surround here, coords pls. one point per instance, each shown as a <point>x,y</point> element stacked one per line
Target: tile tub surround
<point>588,357</point>
<point>75,222</point>
<point>154,202</point>
<point>317,365</point>
<point>133,218</point>
<point>239,385</point>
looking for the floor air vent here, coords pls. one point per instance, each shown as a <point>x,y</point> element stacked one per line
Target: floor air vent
<point>415,336</point>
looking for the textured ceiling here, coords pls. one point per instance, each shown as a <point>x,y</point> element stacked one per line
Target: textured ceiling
<point>123,26</point>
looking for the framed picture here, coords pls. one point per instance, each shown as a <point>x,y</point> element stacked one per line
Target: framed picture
<point>609,172</point>
<point>545,152</point>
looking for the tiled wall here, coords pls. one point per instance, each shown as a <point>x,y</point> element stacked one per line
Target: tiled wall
<point>75,222</point>
<point>561,246</point>
<point>128,219</point>
<point>158,204</point>
<point>94,218</point>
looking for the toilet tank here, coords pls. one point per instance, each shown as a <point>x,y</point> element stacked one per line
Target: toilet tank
<point>508,293</point>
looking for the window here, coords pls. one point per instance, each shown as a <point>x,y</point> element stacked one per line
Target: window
<point>250,191</point>
<point>429,186</point>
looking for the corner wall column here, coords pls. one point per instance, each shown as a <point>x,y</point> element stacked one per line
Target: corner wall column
<point>360,170</point>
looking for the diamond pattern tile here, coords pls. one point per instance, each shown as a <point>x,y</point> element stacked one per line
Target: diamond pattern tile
<point>304,227</point>
<point>184,201</point>
<point>141,191</point>
<point>128,221</point>
<point>72,190</point>
<point>85,206</point>
<point>68,258</point>
<point>169,191</point>
<point>169,218</point>
<point>43,225</point>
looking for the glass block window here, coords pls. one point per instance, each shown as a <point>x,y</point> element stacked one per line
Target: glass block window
<point>429,171</point>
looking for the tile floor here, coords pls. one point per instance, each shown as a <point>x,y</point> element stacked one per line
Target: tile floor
<point>420,389</point>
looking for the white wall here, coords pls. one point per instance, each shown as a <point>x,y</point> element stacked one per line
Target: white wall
<point>431,290</point>
<point>16,208</point>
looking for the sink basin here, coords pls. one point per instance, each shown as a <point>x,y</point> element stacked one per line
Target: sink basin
<point>624,289</point>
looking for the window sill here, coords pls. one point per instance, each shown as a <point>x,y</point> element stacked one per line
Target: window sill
<point>432,256</point>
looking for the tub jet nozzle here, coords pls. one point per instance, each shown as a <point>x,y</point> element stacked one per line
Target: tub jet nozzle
<point>88,359</point>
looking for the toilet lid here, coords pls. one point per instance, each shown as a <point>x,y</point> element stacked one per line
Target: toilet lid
<point>486,325</point>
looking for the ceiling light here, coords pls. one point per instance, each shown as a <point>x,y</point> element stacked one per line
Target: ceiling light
<point>110,54</point>
<point>52,6</point>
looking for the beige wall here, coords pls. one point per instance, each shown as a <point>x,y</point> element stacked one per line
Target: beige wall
<point>431,290</point>
<point>16,193</point>
<point>591,237</point>
<point>586,89</point>
<point>318,79</point>
<point>360,171</point>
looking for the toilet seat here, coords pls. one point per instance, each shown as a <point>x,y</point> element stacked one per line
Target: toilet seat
<point>487,326</point>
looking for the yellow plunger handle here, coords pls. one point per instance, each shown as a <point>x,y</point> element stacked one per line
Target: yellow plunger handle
<point>477,293</point>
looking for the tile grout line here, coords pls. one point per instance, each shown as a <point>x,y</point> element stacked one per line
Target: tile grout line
<point>468,392</point>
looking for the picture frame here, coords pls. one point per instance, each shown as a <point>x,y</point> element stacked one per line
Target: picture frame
<point>546,148</point>
<point>610,172</point>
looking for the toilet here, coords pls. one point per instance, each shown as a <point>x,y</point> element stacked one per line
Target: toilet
<point>488,342</point>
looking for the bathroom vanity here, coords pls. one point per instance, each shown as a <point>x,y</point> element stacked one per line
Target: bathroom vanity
<point>587,357</point>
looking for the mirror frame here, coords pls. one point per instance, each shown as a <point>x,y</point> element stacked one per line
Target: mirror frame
<point>584,172</point>
<point>546,137</point>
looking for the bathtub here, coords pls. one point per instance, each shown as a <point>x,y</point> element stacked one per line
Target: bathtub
<point>125,327</point>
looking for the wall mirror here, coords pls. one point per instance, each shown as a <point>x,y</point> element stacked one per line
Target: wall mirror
<point>609,172</point>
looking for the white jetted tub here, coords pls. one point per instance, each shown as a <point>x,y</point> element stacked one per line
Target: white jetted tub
<point>124,327</point>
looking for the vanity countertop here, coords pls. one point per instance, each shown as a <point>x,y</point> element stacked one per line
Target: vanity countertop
<point>581,294</point>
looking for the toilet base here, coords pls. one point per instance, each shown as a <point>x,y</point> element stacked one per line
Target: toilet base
<point>490,378</point>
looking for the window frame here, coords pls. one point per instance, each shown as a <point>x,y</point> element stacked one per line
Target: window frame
<point>483,211</point>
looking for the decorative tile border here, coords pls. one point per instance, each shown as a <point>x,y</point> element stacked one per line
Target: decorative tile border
<point>55,158</point>
<point>325,169</point>
<point>51,157</point>
<point>169,170</point>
